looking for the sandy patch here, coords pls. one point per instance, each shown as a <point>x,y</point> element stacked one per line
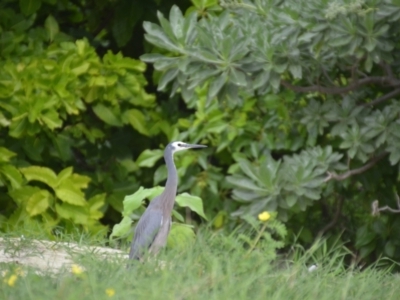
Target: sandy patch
<point>49,256</point>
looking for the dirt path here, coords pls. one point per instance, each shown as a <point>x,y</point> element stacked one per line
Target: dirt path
<point>48,256</point>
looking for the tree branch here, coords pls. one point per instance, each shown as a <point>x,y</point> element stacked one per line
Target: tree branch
<point>371,163</point>
<point>376,209</point>
<point>383,98</point>
<point>340,90</point>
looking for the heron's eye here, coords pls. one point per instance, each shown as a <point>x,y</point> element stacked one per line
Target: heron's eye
<point>179,145</point>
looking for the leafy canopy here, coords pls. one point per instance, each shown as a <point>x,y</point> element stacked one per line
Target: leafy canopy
<point>307,104</point>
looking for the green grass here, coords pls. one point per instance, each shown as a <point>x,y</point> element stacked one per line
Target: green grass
<point>216,267</point>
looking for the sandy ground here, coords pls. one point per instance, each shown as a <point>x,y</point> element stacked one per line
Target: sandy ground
<point>49,256</point>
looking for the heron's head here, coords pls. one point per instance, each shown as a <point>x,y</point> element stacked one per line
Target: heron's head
<point>179,146</point>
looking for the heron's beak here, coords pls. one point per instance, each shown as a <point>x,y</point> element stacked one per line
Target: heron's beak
<point>195,146</point>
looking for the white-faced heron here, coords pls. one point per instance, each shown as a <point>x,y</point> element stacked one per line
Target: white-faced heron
<point>153,227</point>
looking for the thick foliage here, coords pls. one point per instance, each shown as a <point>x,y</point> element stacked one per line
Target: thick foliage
<point>298,98</point>
<point>180,235</point>
<point>75,127</point>
<point>59,105</point>
<point>332,67</point>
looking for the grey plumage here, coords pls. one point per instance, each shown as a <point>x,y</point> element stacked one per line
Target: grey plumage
<point>152,230</point>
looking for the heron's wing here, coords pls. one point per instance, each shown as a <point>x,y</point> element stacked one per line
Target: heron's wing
<point>145,232</point>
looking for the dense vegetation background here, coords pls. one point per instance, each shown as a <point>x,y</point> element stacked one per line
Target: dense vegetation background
<point>297,100</point>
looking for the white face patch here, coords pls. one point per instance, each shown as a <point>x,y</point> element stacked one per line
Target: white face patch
<point>178,146</point>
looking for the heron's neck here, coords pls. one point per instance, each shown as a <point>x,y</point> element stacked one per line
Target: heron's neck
<point>172,181</point>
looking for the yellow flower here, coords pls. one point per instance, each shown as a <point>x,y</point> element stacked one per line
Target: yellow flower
<point>110,292</point>
<point>11,280</point>
<point>76,269</point>
<point>264,216</point>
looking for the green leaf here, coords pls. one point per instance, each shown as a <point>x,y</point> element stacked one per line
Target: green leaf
<point>13,175</point>
<point>41,174</point>
<point>394,157</point>
<point>181,236</point>
<point>269,171</point>
<point>80,181</point>
<point>189,27</point>
<point>291,200</point>
<point>238,77</point>
<point>122,229</point>
<point>220,219</point>
<point>166,78</point>
<point>176,19</point>
<point>51,119</point>
<point>137,119</point>
<point>81,69</point>
<point>64,174</point>
<point>133,202</point>
<point>248,169</point>
<point>6,154</point>
<point>368,63</point>
<point>115,201</point>
<point>148,158</point>
<point>153,57</point>
<point>95,204</point>
<point>193,202</point>
<point>340,41</point>
<point>364,236</point>
<point>81,45</point>
<point>160,174</point>
<point>19,126</point>
<point>370,44</point>
<point>62,146</point>
<point>29,7</point>
<point>22,195</point>
<point>3,120</point>
<point>390,249</point>
<point>69,193</point>
<point>51,26</point>
<point>244,183</point>
<point>105,114</point>
<point>261,80</point>
<point>38,203</point>
<point>156,36</point>
<point>166,26</point>
<point>77,214</point>
<point>296,71</point>
<point>216,85</point>
<point>126,15</point>
<point>154,192</point>
<point>178,216</point>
